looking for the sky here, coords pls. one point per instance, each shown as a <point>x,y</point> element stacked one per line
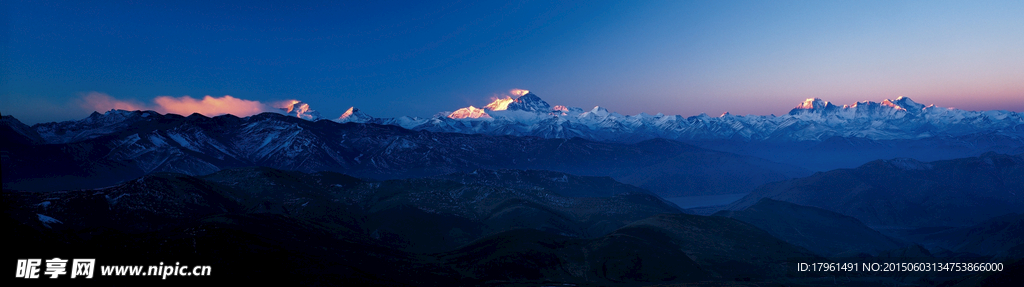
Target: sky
<point>61,60</point>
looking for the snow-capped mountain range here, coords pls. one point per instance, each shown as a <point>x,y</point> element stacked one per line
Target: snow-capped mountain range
<point>812,120</point>
<point>816,135</point>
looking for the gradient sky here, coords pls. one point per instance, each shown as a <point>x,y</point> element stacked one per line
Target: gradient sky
<point>394,58</point>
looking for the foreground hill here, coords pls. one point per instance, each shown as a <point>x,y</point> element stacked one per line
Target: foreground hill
<point>423,215</point>
<point>674,248</point>
<point>331,228</point>
<point>994,237</point>
<point>505,228</point>
<point>824,232</point>
<point>905,193</point>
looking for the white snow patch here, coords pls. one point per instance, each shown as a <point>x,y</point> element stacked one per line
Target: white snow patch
<point>46,220</point>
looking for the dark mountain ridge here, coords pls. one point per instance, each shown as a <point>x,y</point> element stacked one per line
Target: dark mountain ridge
<point>146,142</point>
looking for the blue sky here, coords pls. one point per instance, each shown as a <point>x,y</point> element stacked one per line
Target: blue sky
<point>393,58</point>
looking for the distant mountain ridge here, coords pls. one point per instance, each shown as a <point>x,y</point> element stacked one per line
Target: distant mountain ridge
<point>816,134</point>
<point>813,120</point>
<point>528,115</point>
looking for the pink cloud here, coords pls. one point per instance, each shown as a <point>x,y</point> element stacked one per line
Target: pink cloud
<point>210,106</point>
<point>185,105</point>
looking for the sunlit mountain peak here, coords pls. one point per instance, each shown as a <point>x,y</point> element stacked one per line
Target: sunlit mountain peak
<point>300,110</point>
<point>470,112</point>
<point>499,104</point>
<point>353,115</point>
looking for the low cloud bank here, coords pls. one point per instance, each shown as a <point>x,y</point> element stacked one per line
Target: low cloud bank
<point>184,105</point>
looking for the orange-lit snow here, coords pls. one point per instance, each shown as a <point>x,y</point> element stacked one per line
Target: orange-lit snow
<point>888,103</point>
<point>471,112</point>
<point>348,113</point>
<point>807,104</point>
<point>499,104</point>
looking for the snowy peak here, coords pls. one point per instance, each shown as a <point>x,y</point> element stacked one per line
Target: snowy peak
<point>599,110</point>
<point>470,112</point>
<point>890,104</point>
<point>353,115</point>
<point>300,110</point>
<point>525,101</point>
<point>111,116</point>
<point>500,104</point>
<point>907,104</point>
<point>529,102</point>
<point>813,105</point>
<point>561,110</point>
<point>887,108</point>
